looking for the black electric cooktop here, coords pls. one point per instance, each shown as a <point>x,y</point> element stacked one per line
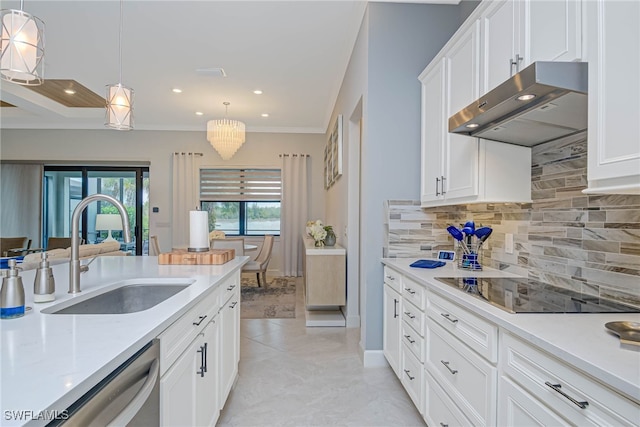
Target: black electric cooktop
<point>522,295</point>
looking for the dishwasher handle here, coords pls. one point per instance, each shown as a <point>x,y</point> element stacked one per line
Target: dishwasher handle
<point>130,411</point>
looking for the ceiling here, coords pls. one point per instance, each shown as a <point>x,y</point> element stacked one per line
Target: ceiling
<point>296,52</point>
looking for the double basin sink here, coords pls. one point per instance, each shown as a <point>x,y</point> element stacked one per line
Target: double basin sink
<point>129,296</point>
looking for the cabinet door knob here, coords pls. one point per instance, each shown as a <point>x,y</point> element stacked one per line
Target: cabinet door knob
<point>557,387</point>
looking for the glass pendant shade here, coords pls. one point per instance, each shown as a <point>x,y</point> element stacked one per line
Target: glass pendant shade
<point>119,107</point>
<point>22,48</point>
<point>226,136</point>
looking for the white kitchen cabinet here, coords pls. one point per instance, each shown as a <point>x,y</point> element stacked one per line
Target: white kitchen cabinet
<point>207,377</point>
<point>613,43</point>
<point>518,408</point>
<point>518,33</point>
<point>229,343</point>
<point>391,327</point>
<point>458,168</point>
<point>559,389</point>
<point>199,356</point>
<point>191,383</point>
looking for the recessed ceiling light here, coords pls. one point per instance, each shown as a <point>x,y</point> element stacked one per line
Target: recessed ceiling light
<point>70,91</point>
<point>199,113</point>
<point>526,97</point>
<point>176,90</point>
<point>257,92</point>
<point>265,114</point>
<point>472,125</point>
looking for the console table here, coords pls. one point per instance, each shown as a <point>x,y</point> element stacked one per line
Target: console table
<point>325,271</point>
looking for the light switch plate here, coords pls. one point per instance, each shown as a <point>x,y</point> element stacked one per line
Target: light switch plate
<point>508,243</point>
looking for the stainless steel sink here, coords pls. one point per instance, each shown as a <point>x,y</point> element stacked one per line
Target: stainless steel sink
<point>127,298</point>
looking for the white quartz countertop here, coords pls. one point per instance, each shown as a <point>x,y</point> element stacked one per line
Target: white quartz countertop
<point>579,339</point>
<point>50,360</point>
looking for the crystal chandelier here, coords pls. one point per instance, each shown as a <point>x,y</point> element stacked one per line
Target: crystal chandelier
<point>225,135</point>
<point>22,47</point>
<point>119,97</point>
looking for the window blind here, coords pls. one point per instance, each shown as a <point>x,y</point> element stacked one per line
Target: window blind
<point>240,185</point>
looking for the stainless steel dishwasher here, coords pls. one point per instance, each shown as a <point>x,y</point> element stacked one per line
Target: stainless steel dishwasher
<point>129,396</point>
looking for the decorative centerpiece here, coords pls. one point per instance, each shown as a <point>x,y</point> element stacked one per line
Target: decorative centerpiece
<point>321,234</point>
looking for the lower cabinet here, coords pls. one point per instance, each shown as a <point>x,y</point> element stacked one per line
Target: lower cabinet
<point>229,344</point>
<point>551,389</point>
<point>198,376</point>
<point>460,369</point>
<point>391,327</point>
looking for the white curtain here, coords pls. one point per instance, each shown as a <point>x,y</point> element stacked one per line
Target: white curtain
<point>186,197</point>
<point>294,211</point>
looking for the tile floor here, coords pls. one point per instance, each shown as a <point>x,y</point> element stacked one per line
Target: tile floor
<point>291,375</point>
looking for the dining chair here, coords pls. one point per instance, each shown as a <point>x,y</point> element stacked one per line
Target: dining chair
<point>58,243</point>
<point>14,246</point>
<point>236,243</point>
<point>154,246</point>
<point>217,234</point>
<point>262,260</point>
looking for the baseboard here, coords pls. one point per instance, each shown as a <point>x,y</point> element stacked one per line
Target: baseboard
<point>353,321</point>
<point>373,359</point>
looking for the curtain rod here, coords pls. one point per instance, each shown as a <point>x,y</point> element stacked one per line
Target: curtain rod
<point>183,153</point>
<point>295,155</point>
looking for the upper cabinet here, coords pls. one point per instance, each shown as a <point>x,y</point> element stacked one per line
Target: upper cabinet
<point>457,168</point>
<point>613,46</point>
<point>517,33</point>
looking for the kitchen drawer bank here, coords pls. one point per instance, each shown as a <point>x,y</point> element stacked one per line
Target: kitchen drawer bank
<point>480,365</point>
<point>49,361</point>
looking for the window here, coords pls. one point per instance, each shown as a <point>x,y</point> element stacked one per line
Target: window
<point>242,201</point>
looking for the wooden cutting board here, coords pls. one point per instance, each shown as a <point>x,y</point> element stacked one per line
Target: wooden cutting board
<point>184,257</point>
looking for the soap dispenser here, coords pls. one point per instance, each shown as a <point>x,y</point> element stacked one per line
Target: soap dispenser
<point>44,286</point>
<point>12,294</point>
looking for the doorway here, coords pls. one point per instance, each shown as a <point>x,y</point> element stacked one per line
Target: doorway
<point>65,186</point>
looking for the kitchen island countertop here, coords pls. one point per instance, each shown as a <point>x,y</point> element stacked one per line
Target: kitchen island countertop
<point>50,360</point>
<point>579,339</point>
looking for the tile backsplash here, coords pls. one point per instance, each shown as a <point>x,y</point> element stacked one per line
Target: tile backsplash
<point>589,243</point>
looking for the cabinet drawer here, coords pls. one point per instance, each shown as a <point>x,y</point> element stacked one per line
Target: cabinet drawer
<point>476,332</point>
<point>439,409</point>
<point>469,379</point>
<point>413,316</point>
<point>413,341</point>
<point>229,287</point>
<point>176,337</point>
<point>414,292</point>
<point>413,377</point>
<point>517,408</point>
<point>574,396</point>
<point>393,279</point>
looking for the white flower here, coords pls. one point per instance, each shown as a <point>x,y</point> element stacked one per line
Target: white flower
<point>317,231</point>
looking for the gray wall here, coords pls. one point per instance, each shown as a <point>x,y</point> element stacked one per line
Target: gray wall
<point>403,39</point>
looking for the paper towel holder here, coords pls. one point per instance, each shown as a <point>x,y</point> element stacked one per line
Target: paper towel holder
<point>198,231</point>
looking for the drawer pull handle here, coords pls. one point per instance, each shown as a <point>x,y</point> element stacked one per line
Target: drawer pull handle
<point>556,387</point>
<point>233,304</point>
<point>446,365</point>
<point>448,317</point>
<point>200,321</point>
<point>390,277</point>
<point>408,372</point>
<point>409,315</point>
<point>411,291</point>
<point>444,425</point>
<point>408,337</point>
<point>230,288</point>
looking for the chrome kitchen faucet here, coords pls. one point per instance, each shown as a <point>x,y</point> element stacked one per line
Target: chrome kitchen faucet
<point>74,264</point>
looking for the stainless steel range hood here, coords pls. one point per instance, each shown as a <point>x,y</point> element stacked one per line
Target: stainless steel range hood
<point>557,109</point>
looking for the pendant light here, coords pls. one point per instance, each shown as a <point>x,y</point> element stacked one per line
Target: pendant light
<point>119,97</point>
<point>22,47</point>
<point>226,135</point>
